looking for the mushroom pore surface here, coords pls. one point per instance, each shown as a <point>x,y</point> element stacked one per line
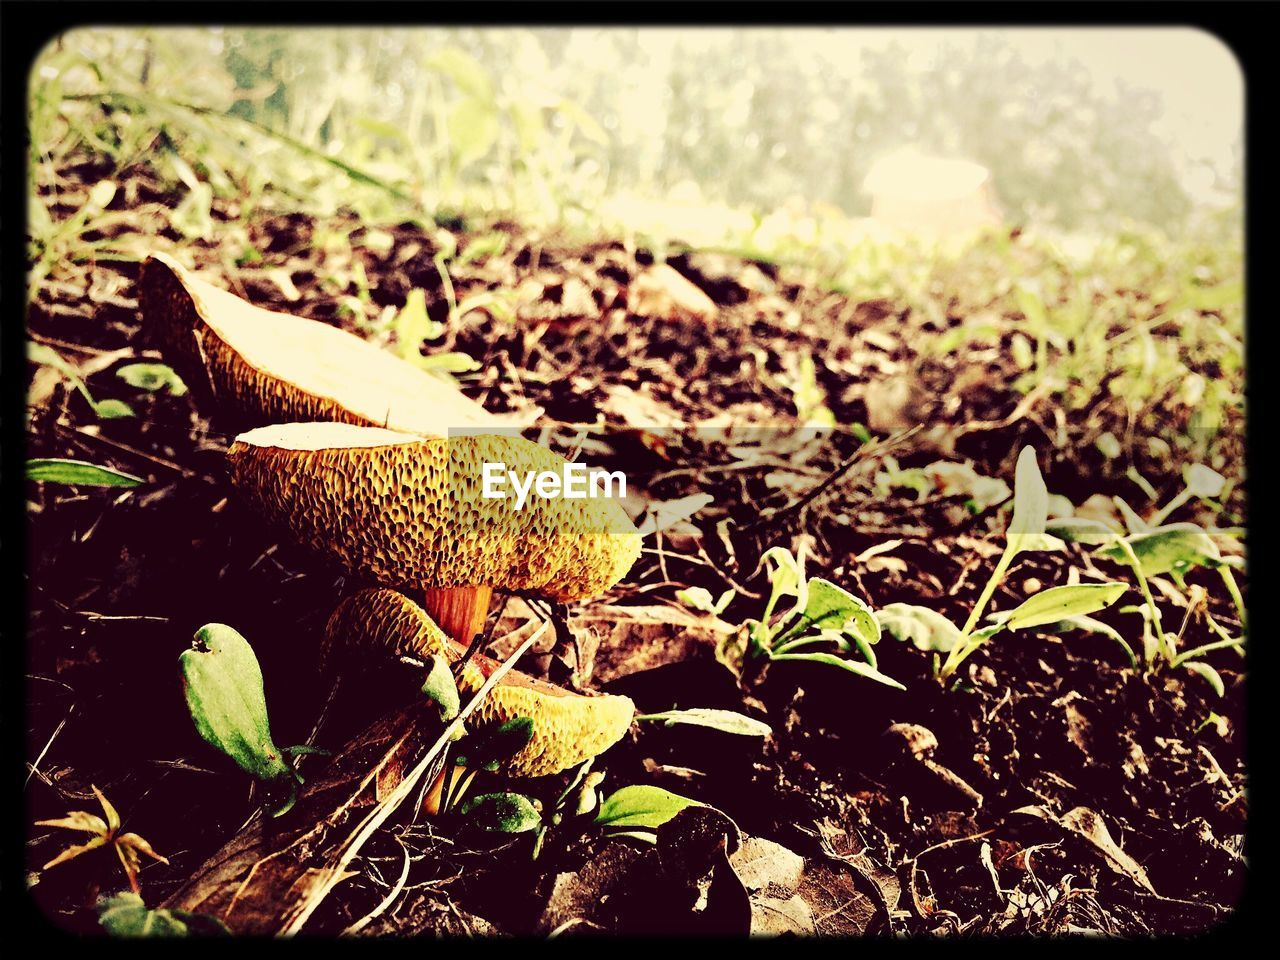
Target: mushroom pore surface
<point>407,511</point>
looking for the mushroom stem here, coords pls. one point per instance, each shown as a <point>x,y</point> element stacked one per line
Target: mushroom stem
<point>459,611</point>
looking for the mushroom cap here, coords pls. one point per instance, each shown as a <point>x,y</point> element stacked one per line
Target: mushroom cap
<point>268,367</point>
<point>408,511</point>
<point>568,727</point>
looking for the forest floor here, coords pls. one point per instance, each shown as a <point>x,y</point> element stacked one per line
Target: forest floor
<point>1068,792</point>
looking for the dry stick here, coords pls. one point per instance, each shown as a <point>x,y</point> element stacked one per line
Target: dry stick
<point>384,810</point>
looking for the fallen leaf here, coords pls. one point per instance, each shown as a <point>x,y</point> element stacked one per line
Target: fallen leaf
<point>662,292</point>
<point>1090,827</point>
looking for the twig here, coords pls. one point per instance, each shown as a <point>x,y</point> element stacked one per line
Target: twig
<point>370,824</point>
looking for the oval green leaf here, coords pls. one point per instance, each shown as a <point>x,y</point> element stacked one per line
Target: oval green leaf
<point>641,806</point>
<point>1062,603</point>
<point>78,473</point>
<point>725,721</point>
<point>926,629</point>
<point>501,813</point>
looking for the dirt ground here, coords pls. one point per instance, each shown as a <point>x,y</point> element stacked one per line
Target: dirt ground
<point>1077,794</point>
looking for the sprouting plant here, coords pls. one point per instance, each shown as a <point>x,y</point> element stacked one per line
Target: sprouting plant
<point>105,831</point>
<point>1171,549</point>
<point>823,615</point>
<point>413,325</point>
<point>109,409</point>
<point>222,683</point>
<point>638,811</point>
<point>578,799</point>
<point>1069,605</point>
<point>699,598</point>
<point>126,915</point>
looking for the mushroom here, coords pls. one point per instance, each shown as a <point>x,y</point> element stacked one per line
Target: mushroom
<point>568,727</point>
<point>407,511</point>
<point>269,367</point>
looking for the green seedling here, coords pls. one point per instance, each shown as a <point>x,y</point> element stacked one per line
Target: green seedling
<point>222,683</point>
<point>578,799</point>
<point>104,832</point>
<point>152,377</point>
<point>1171,549</point>
<point>413,325</point>
<point>699,598</point>
<point>105,409</point>
<point>126,915</point>
<point>825,624</point>
<point>501,813</point>
<point>1061,608</point>
<point>638,811</point>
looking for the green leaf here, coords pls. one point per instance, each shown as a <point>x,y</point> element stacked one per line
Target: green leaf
<point>484,246</point>
<point>641,806</point>
<point>473,130</point>
<point>1174,548</point>
<point>1132,522</point>
<point>699,598</point>
<point>829,607</point>
<point>1030,501</point>
<point>152,377</point>
<point>1090,625</point>
<point>1203,482</point>
<point>441,689</point>
<point>125,915</point>
<point>464,70</point>
<point>453,361</point>
<point>78,473</point>
<point>853,666</point>
<point>113,409</point>
<point>927,629</point>
<point>724,720</point>
<point>413,325</point>
<point>1081,530</point>
<point>222,683</point>
<point>501,813</point>
<point>1211,675</point>
<point>1060,603</point>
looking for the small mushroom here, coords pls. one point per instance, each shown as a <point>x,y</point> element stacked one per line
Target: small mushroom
<point>408,512</point>
<point>568,727</point>
<point>267,367</point>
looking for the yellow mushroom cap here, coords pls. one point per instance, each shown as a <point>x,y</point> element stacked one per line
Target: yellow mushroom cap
<point>269,367</point>
<point>568,727</point>
<point>405,510</point>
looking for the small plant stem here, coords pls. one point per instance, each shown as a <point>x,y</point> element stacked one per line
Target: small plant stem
<point>1162,642</point>
<point>1186,655</point>
<point>962,649</point>
<point>1233,588</point>
<point>1183,496</point>
<point>989,590</point>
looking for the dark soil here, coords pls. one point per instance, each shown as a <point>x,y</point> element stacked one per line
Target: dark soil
<point>118,581</point>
